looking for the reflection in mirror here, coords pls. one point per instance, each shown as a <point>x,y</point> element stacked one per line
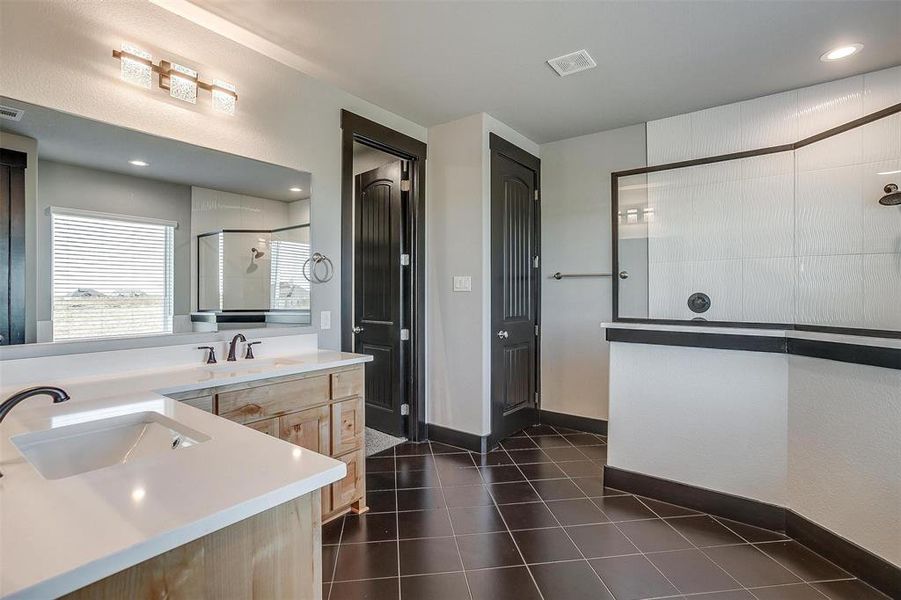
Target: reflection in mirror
<point>104,225</point>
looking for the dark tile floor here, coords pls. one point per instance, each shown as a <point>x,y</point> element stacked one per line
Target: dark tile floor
<point>533,520</point>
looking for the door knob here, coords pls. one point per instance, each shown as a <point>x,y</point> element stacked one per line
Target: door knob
<point>623,274</point>
<point>502,334</point>
<point>358,329</point>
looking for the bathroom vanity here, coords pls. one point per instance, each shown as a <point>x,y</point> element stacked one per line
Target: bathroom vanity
<point>270,447</point>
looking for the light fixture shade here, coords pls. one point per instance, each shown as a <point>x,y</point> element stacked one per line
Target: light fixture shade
<point>224,96</point>
<point>183,83</point>
<point>134,71</point>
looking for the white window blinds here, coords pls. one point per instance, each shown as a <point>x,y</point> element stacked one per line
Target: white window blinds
<point>289,289</point>
<point>112,275</point>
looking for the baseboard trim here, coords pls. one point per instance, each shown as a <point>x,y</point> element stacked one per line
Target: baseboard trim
<point>858,561</point>
<point>738,508</point>
<point>863,564</point>
<point>461,439</point>
<point>588,424</point>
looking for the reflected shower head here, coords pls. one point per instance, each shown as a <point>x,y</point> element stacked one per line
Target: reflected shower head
<point>257,253</point>
<point>892,196</point>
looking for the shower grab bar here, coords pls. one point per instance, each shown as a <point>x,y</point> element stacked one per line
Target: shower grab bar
<point>558,275</point>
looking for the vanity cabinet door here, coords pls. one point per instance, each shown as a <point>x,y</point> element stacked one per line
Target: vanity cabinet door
<point>308,429</point>
<point>348,425</point>
<point>268,426</point>
<point>347,383</point>
<point>352,487</point>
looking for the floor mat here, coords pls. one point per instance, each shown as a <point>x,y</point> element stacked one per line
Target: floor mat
<point>376,441</point>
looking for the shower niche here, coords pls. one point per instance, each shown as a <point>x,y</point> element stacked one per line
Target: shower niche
<point>247,276</point>
<point>805,234</point>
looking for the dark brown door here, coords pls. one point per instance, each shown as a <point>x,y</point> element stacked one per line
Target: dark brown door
<point>12,247</point>
<point>378,293</point>
<point>514,293</point>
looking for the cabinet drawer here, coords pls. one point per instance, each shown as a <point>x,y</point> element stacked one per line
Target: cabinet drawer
<point>273,400</point>
<point>348,425</point>
<point>308,429</point>
<point>201,402</point>
<point>269,426</point>
<point>347,383</point>
<point>351,488</point>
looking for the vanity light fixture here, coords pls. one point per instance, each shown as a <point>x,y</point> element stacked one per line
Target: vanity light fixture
<point>180,81</point>
<point>295,189</point>
<point>139,163</point>
<point>841,52</point>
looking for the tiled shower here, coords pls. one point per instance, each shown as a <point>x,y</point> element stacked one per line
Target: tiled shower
<point>796,236</point>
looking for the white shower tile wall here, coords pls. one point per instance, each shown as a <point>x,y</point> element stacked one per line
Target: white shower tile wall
<point>788,237</point>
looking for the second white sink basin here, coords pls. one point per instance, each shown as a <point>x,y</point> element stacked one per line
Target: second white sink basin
<point>73,449</point>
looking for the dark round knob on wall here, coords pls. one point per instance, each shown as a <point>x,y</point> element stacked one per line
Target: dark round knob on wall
<point>698,302</point>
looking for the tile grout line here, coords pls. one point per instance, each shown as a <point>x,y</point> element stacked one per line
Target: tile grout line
<point>400,589</point>
<point>451,521</point>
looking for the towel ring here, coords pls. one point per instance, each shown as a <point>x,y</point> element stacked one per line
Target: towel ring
<point>313,274</point>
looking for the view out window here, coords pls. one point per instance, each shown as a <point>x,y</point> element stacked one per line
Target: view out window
<point>289,288</point>
<point>112,276</point>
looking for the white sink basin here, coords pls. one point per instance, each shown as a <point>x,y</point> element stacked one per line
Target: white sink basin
<point>73,449</point>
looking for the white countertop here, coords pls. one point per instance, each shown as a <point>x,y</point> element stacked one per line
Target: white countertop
<point>59,535</point>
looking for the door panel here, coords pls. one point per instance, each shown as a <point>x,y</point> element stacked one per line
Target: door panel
<point>379,221</point>
<point>514,295</point>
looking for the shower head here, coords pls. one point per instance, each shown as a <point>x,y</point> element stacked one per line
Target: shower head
<point>257,253</point>
<point>892,196</point>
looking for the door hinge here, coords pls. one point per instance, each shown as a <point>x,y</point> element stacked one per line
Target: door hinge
<point>536,331</point>
<point>404,335</point>
<point>405,260</point>
<point>405,185</point>
<point>535,261</point>
<point>537,398</point>
<point>536,193</point>
<point>404,409</point>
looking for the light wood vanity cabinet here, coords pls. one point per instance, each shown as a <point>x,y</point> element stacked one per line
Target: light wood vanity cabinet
<point>322,411</point>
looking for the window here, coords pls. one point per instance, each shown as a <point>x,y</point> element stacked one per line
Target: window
<point>112,275</point>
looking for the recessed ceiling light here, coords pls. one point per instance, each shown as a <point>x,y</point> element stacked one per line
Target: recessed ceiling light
<point>841,52</point>
<point>296,189</point>
<point>139,163</point>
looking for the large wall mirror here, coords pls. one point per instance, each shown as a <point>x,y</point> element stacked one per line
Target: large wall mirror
<point>112,233</point>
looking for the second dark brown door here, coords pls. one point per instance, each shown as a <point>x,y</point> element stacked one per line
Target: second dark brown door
<point>514,289</point>
<point>378,293</point>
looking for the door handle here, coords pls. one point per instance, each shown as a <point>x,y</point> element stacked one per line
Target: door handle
<point>358,329</point>
<point>502,334</point>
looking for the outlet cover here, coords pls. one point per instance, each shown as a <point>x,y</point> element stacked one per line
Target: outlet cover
<point>325,319</point>
<point>462,283</point>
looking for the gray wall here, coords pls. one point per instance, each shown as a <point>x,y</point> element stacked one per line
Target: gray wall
<point>576,238</point>
<point>88,189</point>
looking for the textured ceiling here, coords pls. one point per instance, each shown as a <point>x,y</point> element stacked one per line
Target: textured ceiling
<point>433,62</point>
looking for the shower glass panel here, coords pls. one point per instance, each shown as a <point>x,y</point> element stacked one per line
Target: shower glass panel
<point>254,271</point>
<point>791,237</point>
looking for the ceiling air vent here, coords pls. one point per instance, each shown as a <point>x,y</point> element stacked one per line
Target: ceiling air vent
<point>11,114</point>
<point>572,63</point>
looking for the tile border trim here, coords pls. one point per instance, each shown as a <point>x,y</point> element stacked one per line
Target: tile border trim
<point>861,354</point>
<point>858,561</point>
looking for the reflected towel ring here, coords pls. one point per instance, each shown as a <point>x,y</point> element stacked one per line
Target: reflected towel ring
<point>328,269</point>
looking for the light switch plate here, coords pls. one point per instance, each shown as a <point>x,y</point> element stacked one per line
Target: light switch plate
<point>325,319</point>
<point>462,283</point>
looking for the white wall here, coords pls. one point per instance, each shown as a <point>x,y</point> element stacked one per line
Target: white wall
<point>459,236</point>
<point>794,237</point>
<point>575,238</point>
<point>822,438</point>
<point>283,116</point>
<point>711,418</point>
<point>844,450</point>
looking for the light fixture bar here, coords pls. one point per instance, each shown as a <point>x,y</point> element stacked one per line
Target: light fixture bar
<point>167,70</point>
